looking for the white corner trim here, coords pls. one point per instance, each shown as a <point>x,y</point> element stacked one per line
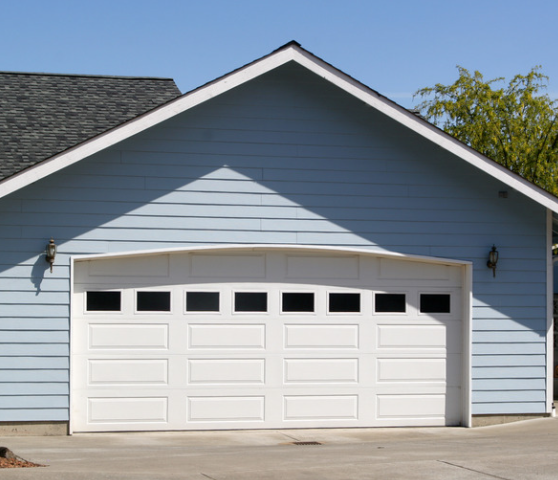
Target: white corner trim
<point>467,334</point>
<point>549,315</point>
<point>251,71</point>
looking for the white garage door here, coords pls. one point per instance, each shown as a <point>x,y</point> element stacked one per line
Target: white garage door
<point>266,339</point>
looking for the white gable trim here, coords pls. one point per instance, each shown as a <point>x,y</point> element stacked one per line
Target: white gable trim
<point>291,52</point>
<point>427,130</point>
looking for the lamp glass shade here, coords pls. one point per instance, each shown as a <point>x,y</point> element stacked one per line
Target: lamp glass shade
<point>493,256</point>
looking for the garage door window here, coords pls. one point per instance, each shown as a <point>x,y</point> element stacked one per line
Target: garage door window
<point>344,302</point>
<point>153,301</point>
<point>103,301</point>
<point>390,303</point>
<point>202,301</point>
<point>434,303</point>
<point>250,302</point>
<point>297,302</point>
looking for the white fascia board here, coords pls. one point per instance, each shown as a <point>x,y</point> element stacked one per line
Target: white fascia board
<point>251,71</point>
<point>266,247</point>
<point>549,314</point>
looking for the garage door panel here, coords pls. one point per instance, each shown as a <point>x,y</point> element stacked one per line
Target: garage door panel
<point>124,336</point>
<point>321,407</point>
<point>336,363</point>
<point>226,371</point>
<point>226,409</point>
<point>224,336</point>
<point>121,410</point>
<point>119,371</point>
<point>420,338</point>
<point>412,406</point>
<point>321,370</point>
<point>412,370</point>
<point>321,336</point>
<point>410,337</point>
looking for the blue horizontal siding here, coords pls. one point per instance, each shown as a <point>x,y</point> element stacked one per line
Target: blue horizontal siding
<point>259,218</point>
<point>508,360</point>
<point>21,363</point>
<point>517,336</point>
<point>299,163</point>
<point>510,396</point>
<point>501,385</point>
<point>34,323</point>
<point>508,324</point>
<point>36,388</point>
<point>508,300</point>
<point>43,349</point>
<point>48,298</point>
<point>490,313</point>
<point>30,401</point>
<point>509,372</point>
<point>42,310</point>
<point>25,285</point>
<point>503,408</point>
<point>509,348</point>
<point>29,336</point>
<point>34,414</point>
<point>9,205</point>
<point>42,375</point>
<point>26,271</point>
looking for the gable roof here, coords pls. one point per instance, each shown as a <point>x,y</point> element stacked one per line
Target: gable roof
<point>44,114</point>
<point>291,52</point>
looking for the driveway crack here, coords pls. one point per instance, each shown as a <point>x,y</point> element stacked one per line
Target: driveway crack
<point>207,476</point>
<point>473,470</point>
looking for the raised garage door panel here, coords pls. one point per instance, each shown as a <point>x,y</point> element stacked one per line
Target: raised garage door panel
<point>269,358</point>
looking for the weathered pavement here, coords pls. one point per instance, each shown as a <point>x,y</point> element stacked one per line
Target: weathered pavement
<point>519,451</point>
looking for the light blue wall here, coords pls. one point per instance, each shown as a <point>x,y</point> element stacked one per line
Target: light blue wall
<point>285,159</point>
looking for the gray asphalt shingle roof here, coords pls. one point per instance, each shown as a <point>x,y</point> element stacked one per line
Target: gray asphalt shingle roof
<point>44,114</point>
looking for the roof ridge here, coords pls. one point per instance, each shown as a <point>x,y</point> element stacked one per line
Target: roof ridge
<point>85,75</point>
<point>292,43</point>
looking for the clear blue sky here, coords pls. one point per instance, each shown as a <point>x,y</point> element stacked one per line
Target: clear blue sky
<point>393,46</point>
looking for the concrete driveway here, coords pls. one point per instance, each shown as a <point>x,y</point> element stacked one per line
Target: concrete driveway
<point>518,451</point>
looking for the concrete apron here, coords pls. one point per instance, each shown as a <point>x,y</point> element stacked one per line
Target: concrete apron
<point>523,450</point>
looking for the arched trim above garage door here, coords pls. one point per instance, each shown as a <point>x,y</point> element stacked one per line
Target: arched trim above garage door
<point>282,353</point>
<point>287,247</point>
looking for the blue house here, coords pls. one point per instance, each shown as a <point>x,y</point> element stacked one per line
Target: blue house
<point>280,248</point>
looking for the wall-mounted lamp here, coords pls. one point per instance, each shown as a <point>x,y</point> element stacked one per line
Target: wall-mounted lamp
<point>493,260</point>
<point>50,253</point>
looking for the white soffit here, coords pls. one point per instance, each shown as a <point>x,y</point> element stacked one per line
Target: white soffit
<point>290,52</point>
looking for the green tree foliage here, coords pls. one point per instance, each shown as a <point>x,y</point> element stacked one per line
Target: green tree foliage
<point>515,125</point>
